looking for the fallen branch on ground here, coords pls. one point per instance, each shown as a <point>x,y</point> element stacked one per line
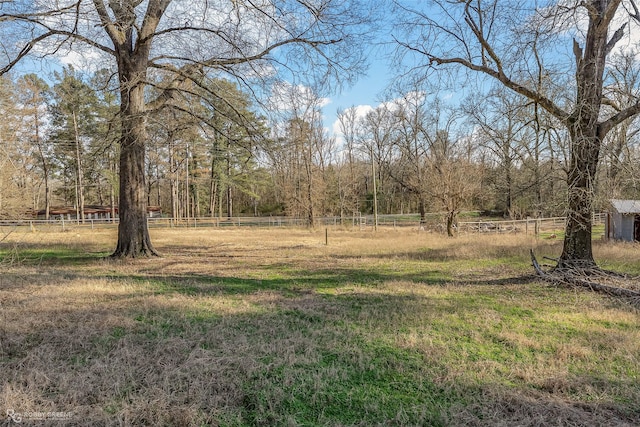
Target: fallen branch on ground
<point>577,277</point>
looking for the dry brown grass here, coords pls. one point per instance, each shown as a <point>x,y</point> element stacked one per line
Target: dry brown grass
<point>273,327</point>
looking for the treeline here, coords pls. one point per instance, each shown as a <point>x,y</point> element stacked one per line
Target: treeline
<point>215,153</point>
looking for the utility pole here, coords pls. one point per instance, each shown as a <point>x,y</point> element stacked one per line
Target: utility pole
<point>375,192</point>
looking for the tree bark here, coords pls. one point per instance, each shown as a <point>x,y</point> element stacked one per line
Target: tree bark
<point>133,231</point>
<point>132,47</point>
<point>586,134</point>
<point>451,219</point>
<point>422,209</point>
<point>577,248</point>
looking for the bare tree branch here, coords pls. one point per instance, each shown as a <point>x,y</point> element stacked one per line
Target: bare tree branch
<point>501,77</point>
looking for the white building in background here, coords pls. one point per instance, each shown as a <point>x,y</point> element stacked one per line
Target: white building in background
<point>623,220</point>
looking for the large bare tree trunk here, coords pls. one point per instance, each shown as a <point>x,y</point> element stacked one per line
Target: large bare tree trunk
<point>131,50</point>
<point>451,219</point>
<point>586,138</point>
<point>577,249</point>
<point>133,231</point>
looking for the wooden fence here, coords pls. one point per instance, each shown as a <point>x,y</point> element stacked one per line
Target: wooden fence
<point>434,223</point>
<point>534,226</point>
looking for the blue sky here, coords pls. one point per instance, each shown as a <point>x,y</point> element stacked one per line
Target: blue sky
<point>366,91</point>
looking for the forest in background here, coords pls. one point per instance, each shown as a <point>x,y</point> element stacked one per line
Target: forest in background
<point>495,153</point>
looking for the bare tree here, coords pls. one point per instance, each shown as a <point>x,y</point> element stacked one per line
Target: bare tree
<point>348,175</point>
<point>376,131</point>
<point>622,90</point>
<point>409,169</point>
<point>501,38</point>
<point>453,176</point>
<point>15,158</point>
<point>516,134</point>
<point>185,43</point>
<point>419,121</point>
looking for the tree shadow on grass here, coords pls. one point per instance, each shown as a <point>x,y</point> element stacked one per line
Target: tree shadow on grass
<point>309,281</point>
<point>297,282</point>
<point>48,254</point>
<point>498,406</point>
<point>307,359</point>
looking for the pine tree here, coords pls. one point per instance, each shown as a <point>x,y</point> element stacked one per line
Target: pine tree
<point>73,120</point>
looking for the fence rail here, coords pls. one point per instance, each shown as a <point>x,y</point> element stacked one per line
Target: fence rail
<point>527,226</point>
<point>433,223</point>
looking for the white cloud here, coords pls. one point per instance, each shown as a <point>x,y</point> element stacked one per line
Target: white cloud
<point>362,110</point>
<point>409,101</point>
<point>358,113</point>
<point>298,100</point>
<point>631,37</point>
<point>84,60</point>
<point>287,101</point>
<point>577,26</point>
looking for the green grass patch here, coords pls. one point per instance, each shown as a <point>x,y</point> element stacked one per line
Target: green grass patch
<point>274,328</point>
<point>53,255</point>
<point>365,383</point>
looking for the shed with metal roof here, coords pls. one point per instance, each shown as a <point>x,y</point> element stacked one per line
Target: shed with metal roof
<point>623,222</point>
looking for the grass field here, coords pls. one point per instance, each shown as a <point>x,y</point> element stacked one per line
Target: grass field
<point>273,327</point>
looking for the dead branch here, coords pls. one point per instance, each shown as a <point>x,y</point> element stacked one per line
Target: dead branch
<point>584,279</point>
<point>536,266</point>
